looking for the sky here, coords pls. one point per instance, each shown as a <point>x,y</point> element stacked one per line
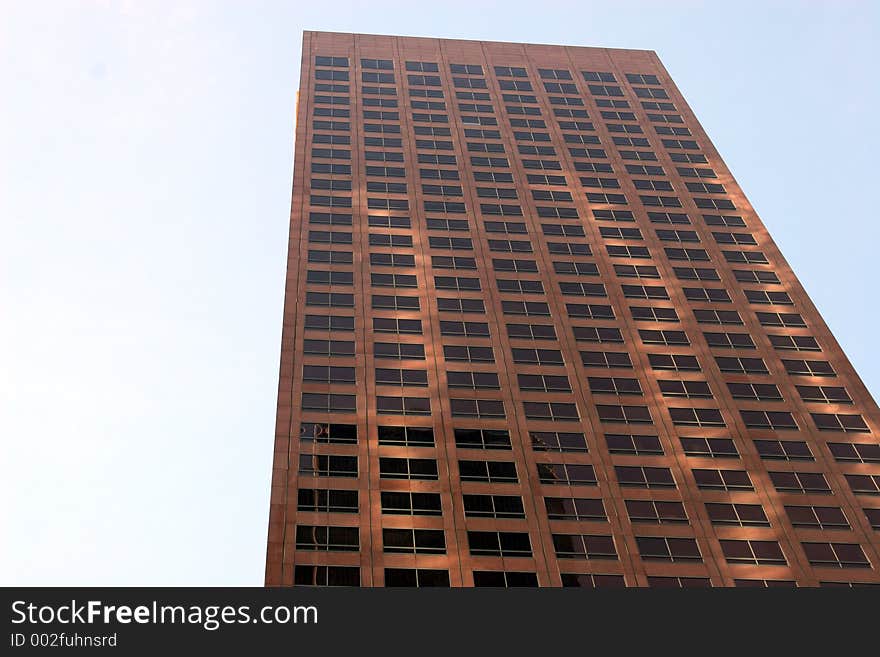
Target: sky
<point>145,171</point>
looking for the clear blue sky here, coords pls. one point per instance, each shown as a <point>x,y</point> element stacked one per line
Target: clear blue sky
<point>145,171</point>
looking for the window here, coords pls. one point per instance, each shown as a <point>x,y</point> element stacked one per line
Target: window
<point>399,350</point>
<point>742,515</point>
<point>718,448</point>
<point>644,292</point>
<point>453,262</point>
<point>503,579</point>
<point>493,506</point>
<point>589,311</point>
<point>406,436</point>
<point>836,555</point>
<point>532,331</point>
<point>656,581</point>
<point>784,450</point>
<point>597,334</point>
<point>575,508</point>
<point>569,474</point>
<point>499,544</point>
<point>377,221</point>
<point>668,338</point>
<point>482,439</point>
<point>729,340</point>
<point>636,271</point>
<point>327,501</point>
<point>329,403</point>
<point>625,251</point>
<point>688,389</point>
<point>694,255</point>
<point>537,356</point>
<point>472,380</point>
<point>677,235</point>
<point>590,581</point>
<point>403,405</point>
<point>728,480</point>
<point>328,374</point>
<point>339,434</point>
<point>781,319</point>
<point>606,359</point>
<point>543,382</point>
<point>391,259</point>
<point>557,411</point>
<point>392,325</point>
<point>817,517</point>
<point>330,539</point>
<point>398,377</point>
<point>741,365</point>
<point>662,548</point>
<point>478,408</point>
<point>470,329</point>
<point>722,317</point>
<point>625,443</point>
<point>500,264</point>
<point>510,72</point>
<point>755,276</point>
<point>627,414</point>
<point>776,420</point>
<point>656,512</point>
<point>307,575</point>
<point>404,468</point>
<point>395,302</point>
<point>584,546</point>
<point>755,391</point>
<point>800,482</point>
<point>746,257</point>
<point>527,308</point>
<point>864,484</point>
<point>330,299</point>
<point>321,60</point>
<point>808,367</point>
<point>678,362</point>
<point>383,239</point>
<point>734,238</point>
<point>411,504</point>
<point>488,471</point>
<point>460,283</point>
<point>557,441</point>
<point>454,353</point>
<point>706,294</point>
<point>764,583</point>
<point>381,64</point>
<point>329,323</point>
<point>764,297</point>
<point>644,477</point>
<point>322,465</point>
<point>414,541</point>
<point>510,246</point>
<point>663,202</point>
<point>839,422</point>
<point>327,237</point>
<point>696,274</point>
<point>696,417</point>
<point>855,452</point>
<point>614,386</point>
<point>416,577</point>
<point>760,553</point>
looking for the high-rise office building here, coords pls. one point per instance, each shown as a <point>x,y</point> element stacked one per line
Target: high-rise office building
<point>536,335</point>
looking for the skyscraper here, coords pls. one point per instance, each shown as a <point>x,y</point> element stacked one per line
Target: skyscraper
<point>535,334</point>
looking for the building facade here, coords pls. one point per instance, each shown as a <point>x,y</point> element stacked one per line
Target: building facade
<point>535,335</point>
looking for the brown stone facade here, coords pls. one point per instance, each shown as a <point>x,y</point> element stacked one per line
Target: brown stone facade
<point>535,335</point>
